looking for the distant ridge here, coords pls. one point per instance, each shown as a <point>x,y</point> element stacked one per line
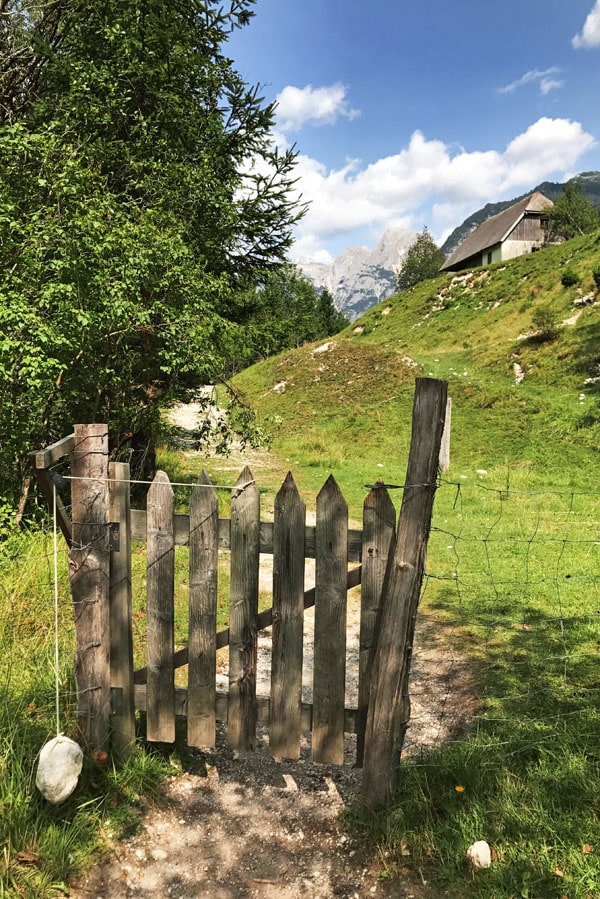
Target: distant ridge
<point>589,183</point>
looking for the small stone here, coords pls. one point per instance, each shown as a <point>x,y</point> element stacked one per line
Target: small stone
<point>159,855</point>
<point>59,766</point>
<point>480,854</point>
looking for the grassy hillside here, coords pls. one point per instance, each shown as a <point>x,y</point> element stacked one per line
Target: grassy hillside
<point>346,407</point>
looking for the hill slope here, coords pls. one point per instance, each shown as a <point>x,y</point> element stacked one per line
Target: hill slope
<point>520,401</point>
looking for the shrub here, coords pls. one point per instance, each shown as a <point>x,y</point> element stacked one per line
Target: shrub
<point>569,278</point>
<point>596,276</point>
<point>545,322</point>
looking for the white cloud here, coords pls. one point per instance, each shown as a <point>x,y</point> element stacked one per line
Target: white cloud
<point>312,105</point>
<point>550,84</point>
<point>544,78</point>
<point>590,33</point>
<point>428,182</point>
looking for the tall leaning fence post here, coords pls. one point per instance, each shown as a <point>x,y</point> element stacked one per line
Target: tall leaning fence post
<point>389,702</point>
<point>89,568</point>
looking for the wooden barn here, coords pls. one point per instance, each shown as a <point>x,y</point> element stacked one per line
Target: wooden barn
<point>517,230</point>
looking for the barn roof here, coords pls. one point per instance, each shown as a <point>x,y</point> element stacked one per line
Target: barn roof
<point>496,229</point>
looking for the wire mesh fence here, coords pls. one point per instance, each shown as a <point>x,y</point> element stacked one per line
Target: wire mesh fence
<point>510,613</point>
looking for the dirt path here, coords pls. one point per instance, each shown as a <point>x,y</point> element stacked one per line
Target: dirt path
<point>246,827</point>
<point>234,827</point>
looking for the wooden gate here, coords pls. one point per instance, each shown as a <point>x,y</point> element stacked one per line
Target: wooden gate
<point>101,535</point>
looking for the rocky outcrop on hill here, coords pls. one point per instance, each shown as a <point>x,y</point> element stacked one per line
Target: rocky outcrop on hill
<point>359,278</point>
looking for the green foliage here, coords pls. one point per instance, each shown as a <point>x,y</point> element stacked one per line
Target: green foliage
<point>140,200</point>
<point>423,261</point>
<point>283,311</point>
<point>569,278</point>
<point>571,215</point>
<point>545,322</point>
<point>596,276</point>
<point>331,319</point>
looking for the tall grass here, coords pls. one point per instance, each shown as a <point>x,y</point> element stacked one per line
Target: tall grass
<point>42,845</point>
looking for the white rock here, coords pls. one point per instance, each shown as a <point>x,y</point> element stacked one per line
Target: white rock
<point>480,854</point>
<point>59,767</point>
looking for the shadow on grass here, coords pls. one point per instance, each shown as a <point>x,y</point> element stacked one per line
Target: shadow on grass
<point>526,778</point>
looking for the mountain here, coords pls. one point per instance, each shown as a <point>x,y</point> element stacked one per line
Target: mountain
<point>589,182</point>
<point>359,278</point>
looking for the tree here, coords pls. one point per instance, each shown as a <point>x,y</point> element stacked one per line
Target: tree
<point>283,311</point>
<point>30,32</point>
<point>423,261</point>
<point>141,197</point>
<point>571,215</point>
<point>333,320</point>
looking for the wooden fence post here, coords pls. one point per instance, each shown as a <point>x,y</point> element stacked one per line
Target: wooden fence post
<point>121,626</point>
<point>89,564</point>
<point>379,528</point>
<point>202,640</point>
<point>389,703</point>
<point>245,560</point>
<point>288,617</point>
<point>331,571</point>
<point>160,700</point>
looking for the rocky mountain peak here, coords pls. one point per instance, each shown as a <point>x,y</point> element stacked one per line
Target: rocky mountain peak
<point>359,277</point>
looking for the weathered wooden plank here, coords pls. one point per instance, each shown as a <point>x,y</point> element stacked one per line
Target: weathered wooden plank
<point>389,703</point>
<point>204,557</point>
<point>379,527</point>
<point>50,455</point>
<point>89,566</point>
<point>330,625</point>
<point>446,433</point>
<point>121,627</point>
<point>245,560</point>
<point>160,585</point>
<point>182,535</point>
<point>264,619</point>
<point>288,620</point>
<point>263,705</point>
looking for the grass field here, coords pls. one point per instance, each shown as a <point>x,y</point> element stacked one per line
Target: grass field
<point>513,570</point>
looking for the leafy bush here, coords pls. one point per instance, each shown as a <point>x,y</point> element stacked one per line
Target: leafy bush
<point>596,276</point>
<point>545,322</point>
<point>569,278</point>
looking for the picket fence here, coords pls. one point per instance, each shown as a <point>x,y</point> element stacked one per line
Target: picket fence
<point>101,529</point>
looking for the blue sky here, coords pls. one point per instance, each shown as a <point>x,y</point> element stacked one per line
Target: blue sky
<point>416,113</point>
